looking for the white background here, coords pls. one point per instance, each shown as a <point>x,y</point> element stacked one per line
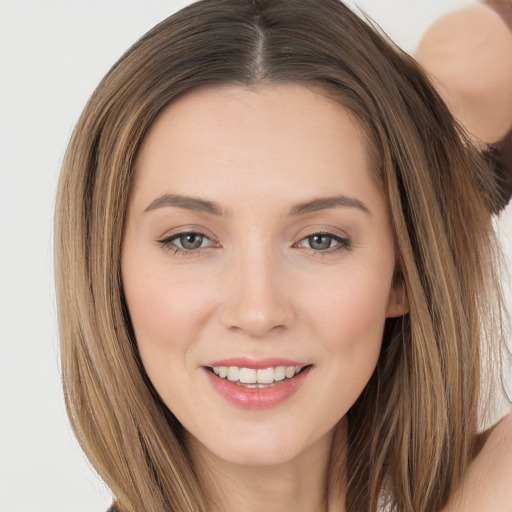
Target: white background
<point>52,55</point>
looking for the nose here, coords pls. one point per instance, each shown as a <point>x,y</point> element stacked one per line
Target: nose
<point>256,300</point>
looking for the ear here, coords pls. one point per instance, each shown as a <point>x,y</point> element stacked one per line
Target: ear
<point>398,302</point>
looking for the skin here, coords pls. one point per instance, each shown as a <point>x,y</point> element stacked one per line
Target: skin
<point>257,287</point>
<point>487,483</point>
<point>468,54</point>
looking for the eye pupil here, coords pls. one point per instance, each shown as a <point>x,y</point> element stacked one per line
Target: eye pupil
<point>319,242</point>
<point>191,241</point>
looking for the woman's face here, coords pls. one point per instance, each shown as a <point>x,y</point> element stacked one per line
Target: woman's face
<point>257,245</point>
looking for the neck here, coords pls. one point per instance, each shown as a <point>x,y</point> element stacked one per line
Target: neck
<point>306,483</point>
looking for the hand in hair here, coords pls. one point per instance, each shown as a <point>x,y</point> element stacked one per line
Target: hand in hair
<point>468,54</point>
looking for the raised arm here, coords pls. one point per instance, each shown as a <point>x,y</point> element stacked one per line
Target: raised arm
<point>468,54</point>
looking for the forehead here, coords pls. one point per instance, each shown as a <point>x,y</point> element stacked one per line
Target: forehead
<point>253,112</point>
<point>284,136</point>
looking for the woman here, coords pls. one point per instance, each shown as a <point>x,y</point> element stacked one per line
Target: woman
<point>276,272</point>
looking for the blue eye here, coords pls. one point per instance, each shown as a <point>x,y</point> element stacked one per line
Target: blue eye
<point>191,242</point>
<point>325,242</point>
<point>185,243</point>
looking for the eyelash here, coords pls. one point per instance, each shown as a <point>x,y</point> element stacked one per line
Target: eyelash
<point>168,243</point>
<point>343,243</point>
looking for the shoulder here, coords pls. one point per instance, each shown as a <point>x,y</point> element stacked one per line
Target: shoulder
<point>487,483</point>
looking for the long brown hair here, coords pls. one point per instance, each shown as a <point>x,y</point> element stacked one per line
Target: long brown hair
<point>413,431</point>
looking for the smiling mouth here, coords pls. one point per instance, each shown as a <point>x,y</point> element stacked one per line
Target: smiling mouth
<point>263,387</point>
<point>257,378</point>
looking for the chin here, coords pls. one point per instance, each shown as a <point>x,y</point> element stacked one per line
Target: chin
<point>261,445</point>
<point>274,454</point>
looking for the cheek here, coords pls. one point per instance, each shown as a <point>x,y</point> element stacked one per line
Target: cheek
<point>349,319</point>
<point>351,309</point>
<point>167,312</point>
<point>351,332</point>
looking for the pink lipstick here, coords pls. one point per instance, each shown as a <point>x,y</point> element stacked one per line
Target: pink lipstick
<point>256,383</point>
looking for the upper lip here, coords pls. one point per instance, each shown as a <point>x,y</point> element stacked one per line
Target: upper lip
<point>248,362</point>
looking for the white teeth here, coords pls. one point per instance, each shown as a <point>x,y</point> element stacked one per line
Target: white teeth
<point>233,372</point>
<point>290,372</point>
<point>280,372</point>
<point>247,376</point>
<point>266,376</point>
<point>253,377</point>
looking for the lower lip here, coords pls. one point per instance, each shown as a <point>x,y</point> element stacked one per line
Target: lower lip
<point>257,398</point>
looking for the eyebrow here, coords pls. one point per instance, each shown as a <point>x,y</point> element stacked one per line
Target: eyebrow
<point>325,203</point>
<point>187,203</point>
<point>213,208</point>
